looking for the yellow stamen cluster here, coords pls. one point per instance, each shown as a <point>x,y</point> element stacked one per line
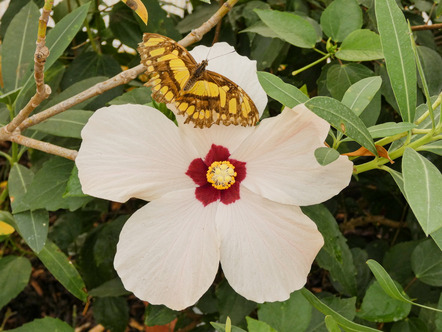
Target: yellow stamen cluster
<point>221,174</point>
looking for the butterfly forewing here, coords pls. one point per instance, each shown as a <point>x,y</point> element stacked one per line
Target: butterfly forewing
<point>203,96</point>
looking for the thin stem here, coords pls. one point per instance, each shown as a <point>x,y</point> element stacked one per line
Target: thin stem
<point>319,51</point>
<point>6,156</point>
<point>296,72</point>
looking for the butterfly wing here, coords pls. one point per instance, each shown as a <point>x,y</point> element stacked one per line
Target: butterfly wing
<point>210,98</point>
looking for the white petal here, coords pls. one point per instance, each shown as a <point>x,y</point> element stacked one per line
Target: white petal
<point>267,248</point>
<point>281,165</point>
<point>224,60</point>
<point>132,151</point>
<point>168,250</point>
<point>202,139</point>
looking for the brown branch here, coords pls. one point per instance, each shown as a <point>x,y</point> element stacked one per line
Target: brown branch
<point>44,146</point>
<point>426,27</point>
<point>350,225</point>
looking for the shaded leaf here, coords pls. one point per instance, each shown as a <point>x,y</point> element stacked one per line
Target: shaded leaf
<point>66,124</point>
<point>45,325</point>
<point>14,276</point>
<point>325,155</point>
<point>112,313</point>
<point>159,315</point>
<point>33,227</point>
<point>340,18</point>
<point>254,325</point>
<point>426,261</point>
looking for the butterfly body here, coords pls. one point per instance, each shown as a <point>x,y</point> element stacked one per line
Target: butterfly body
<point>203,96</point>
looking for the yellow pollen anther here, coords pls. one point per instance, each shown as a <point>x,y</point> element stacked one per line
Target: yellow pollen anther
<point>221,174</point>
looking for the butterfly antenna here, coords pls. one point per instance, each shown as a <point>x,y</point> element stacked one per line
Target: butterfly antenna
<point>219,55</point>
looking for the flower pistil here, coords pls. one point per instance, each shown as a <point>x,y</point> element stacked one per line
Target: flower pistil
<point>221,174</point>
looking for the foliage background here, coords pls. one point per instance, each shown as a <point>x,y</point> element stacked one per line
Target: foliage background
<point>56,272</point>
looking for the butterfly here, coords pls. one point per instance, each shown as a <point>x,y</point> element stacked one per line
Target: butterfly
<point>202,96</point>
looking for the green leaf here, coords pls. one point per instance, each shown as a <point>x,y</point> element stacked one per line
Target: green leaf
<point>426,262</point>
<point>325,155</point>
<point>194,20</point>
<point>341,77</point>
<point>360,94</point>
<point>261,29</point>
<point>346,324</point>
<point>48,186</point>
<point>411,324</point>
<point>335,256</point>
<point>361,45</point>
<point>254,325</point>
<point>222,327</point>
<point>435,147</point>
<point>284,316</point>
<point>18,61</point>
<point>141,95</point>
<point>340,18</point>
<point>66,124</point>
<point>33,227</point>
<point>432,67</point>
<point>19,180</point>
<point>62,34</point>
<point>73,187</point>
<point>390,128</point>
<point>112,313</point>
<point>437,237</point>
<point>14,276</point>
<point>62,269</point>
<point>377,306</point>
<point>285,93</point>
<point>388,285</point>
<point>423,188</point>
<point>233,305</point>
<point>331,324</point>
<point>343,119</point>
<point>113,287</point>
<point>397,261</point>
<point>399,56</point>
<point>159,315</point>
<point>292,28</point>
<point>45,325</point>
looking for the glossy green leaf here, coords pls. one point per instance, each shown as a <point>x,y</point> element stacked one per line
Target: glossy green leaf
<point>361,45</point>
<point>254,325</point>
<point>325,155</point>
<point>233,305</point>
<point>390,128</point>
<point>411,324</point>
<point>62,34</point>
<point>19,180</point>
<point>341,77</point>
<point>335,256</point>
<point>62,269</point>
<point>377,306</point>
<point>343,119</point>
<point>66,124</point>
<point>284,316</point>
<point>423,188</point>
<point>222,327</point>
<point>331,324</point>
<point>399,56</point>
<point>159,315</point>
<point>389,286</point>
<point>14,276</point>
<point>346,324</point>
<point>340,18</point>
<point>73,187</point>
<point>360,94</point>
<point>285,93</point>
<point>112,313</point>
<point>292,28</point>
<point>33,227</point>
<point>426,261</point>
<point>48,186</point>
<point>20,38</point>
<point>45,325</point>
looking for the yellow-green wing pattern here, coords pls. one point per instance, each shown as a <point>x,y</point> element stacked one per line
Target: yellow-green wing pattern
<point>202,96</point>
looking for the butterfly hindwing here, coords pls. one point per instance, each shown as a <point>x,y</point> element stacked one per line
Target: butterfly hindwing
<point>203,96</point>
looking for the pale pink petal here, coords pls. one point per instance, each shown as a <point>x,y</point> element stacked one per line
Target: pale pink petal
<point>281,165</point>
<point>224,60</point>
<point>132,151</point>
<point>168,250</point>
<point>266,248</point>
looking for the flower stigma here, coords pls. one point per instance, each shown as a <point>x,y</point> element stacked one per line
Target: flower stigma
<point>221,174</point>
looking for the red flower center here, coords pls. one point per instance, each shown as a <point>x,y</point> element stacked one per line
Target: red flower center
<point>218,177</point>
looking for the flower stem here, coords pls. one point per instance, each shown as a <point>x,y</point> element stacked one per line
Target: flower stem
<point>325,57</point>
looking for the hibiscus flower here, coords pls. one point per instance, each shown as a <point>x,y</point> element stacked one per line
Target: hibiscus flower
<point>228,195</point>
